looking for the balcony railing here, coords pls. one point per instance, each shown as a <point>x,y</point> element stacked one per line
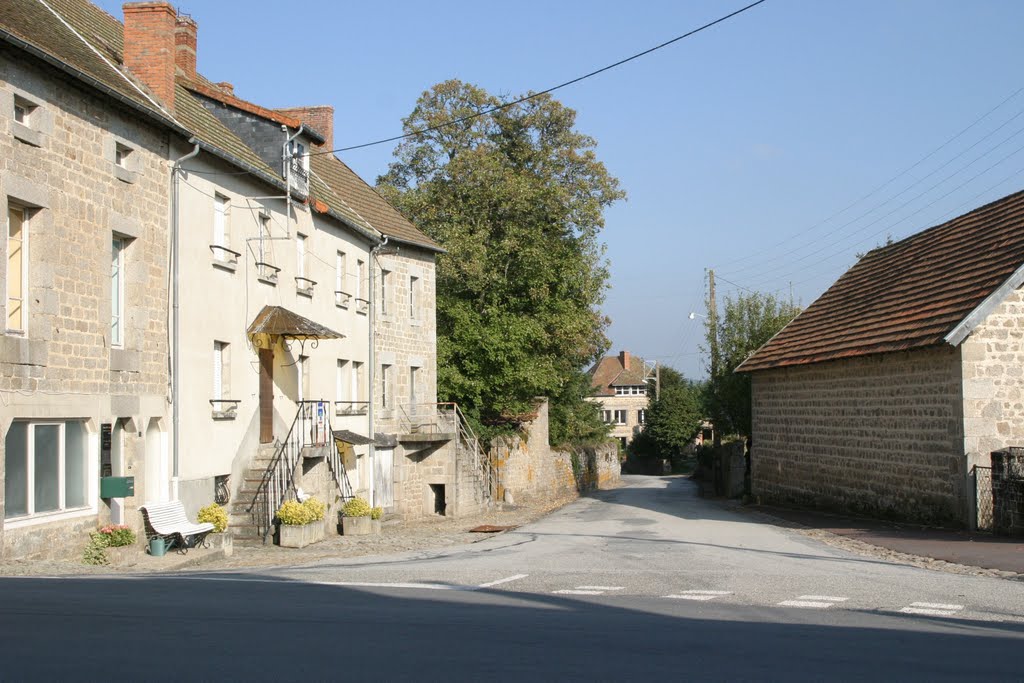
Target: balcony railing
<point>341,298</point>
<point>224,408</point>
<point>225,257</point>
<point>362,305</point>
<point>267,272</point>
<point>342,408</point>
<point>304,286</point>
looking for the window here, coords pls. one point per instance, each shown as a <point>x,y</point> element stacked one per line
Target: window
<point>357,381</point>
<point>117,292</point>
<point>341,383</point>
<point>46,465</point>
<point>413,296</point>
<point>17,267</point>
<point>616,417</point>
<point>641,416</point>
<point>412,390</point>
<point>300,253</point>
<point>340,295</point>
<point>360,274</point>
<point>221,378</point>
<point>633,390</point>
<point>23,111</point>
<point>384,283</point>
<point>121,154</point>
<point>221,236</point>
<point>385,389</point>
<point>302,378</point>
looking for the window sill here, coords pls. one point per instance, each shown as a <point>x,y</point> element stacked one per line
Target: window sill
<point>48,517</point>
<point>221,415</point>
<point>272,281</point>
<point>304,291</point>
<point>415,322</point>
<point>229,266</point>
<point>124,175</point>
<point>26,134</point>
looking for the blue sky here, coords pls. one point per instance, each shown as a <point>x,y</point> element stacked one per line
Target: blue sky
<point>737,147</point>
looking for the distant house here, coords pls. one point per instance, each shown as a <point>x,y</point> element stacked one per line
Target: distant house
<point>620,385</point>
<point>884,393</point>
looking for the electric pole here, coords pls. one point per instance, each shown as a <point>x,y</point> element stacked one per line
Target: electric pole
<point>713,341</point>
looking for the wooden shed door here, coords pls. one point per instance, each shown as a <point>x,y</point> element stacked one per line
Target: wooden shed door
<point>266,395</point>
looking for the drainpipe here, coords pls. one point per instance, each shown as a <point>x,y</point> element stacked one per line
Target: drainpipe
<point>372,297</point>
<point>287,174</point>
<point>176,338</point>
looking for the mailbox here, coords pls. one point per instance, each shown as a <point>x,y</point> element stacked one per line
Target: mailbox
<point>117,487</point>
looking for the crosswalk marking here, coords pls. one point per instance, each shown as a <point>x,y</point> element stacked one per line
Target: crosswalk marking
<point>568,591</point>
<point>600,588</point>
<point>698,595</point>
<point>813,601</point>
<point>507,579</point>
<point>932,609</point>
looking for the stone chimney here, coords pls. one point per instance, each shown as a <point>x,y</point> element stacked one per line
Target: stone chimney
<point>149,46</point>
<point>185,30</point>
<point>320,119</point>
<point>624,359</point>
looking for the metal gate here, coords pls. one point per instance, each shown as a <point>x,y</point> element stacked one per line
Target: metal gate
<point>383,477</point>
<point>983,496</point>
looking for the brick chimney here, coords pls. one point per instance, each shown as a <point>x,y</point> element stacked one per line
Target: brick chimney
<point>624,359</point>
<point>320,119</point>
<point>185,29</point>
<point>149,46</point>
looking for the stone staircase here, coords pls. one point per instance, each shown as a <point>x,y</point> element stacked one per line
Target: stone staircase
<point>241,523</point>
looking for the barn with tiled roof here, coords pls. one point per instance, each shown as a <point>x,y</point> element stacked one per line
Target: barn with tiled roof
<point>886,393</point>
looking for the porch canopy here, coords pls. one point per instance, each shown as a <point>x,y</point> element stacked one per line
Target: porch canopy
<point>275,321</point>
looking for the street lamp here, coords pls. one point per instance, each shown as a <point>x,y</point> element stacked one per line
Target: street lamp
<point>694,315</point>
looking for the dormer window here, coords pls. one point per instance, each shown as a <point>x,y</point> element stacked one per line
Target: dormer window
<point>31,122</point>
<point>297,166</point>
<point>23,111</point>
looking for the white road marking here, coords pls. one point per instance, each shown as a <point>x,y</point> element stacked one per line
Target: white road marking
<point>578,592</point>
<point>507,579</point>
<point>932,609</point>
<point>374,584</point>
<point>698,595</point>
<point>813,601</point>
<point>599,588</point>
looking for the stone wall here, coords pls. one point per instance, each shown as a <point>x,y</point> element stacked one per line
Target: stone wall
<point>528,469</point>
<point>880,435</point>
<point>60,165</point>
<point>993,382</point>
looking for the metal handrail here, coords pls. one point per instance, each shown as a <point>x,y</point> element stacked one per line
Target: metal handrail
<point>236,254</point>
<point>354,407</point>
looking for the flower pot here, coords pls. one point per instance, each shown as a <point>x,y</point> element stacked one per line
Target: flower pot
<point>300,535</point>
<point>356,526</point>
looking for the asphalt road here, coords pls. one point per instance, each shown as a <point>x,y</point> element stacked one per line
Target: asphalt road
<point>644,582</point>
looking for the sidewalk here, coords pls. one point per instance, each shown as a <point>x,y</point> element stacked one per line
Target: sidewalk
<point>970,549</point>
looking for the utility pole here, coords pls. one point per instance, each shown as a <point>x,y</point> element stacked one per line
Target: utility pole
<point>713,341</point>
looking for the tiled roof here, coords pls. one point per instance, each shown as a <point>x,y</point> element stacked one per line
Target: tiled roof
<point>346,195</point>
<point>31,22</point>
<point>907,295</point>
<point>609,372</point>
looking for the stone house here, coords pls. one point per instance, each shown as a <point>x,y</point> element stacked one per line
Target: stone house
<point>883,394</point>
<point>620,385</point>
<point>83,349</point>
<point>265,276</point>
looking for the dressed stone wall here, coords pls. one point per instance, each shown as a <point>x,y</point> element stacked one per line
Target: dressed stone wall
<point>880,435</point>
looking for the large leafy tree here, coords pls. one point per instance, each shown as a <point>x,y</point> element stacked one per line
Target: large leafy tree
<point>673,416</point>
<point>517,197</point>
<point>746,323</point>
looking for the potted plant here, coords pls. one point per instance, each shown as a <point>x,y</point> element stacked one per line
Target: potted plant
<point>355,517</point>
<point>300,523</point>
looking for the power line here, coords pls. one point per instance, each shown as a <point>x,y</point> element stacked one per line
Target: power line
<point>891,180</point>
<point>535,95</point>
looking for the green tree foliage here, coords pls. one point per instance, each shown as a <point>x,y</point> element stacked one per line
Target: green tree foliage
<point>744,325</point>
<point>517,198</point>
<point>673,417</point>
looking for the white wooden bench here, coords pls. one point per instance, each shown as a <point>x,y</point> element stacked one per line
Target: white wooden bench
<point>168,522</point>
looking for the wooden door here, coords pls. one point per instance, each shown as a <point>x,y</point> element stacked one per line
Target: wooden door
<point>266,395</point>
<point>384,477</point>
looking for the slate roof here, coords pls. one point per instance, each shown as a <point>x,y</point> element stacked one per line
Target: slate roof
<point>334,188</point>
<point>908,295</point>
<point>609,373</point>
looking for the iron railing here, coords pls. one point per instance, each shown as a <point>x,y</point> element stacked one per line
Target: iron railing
<point>310,428</point>
<point>467,447</point>
<point>342,408</point>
